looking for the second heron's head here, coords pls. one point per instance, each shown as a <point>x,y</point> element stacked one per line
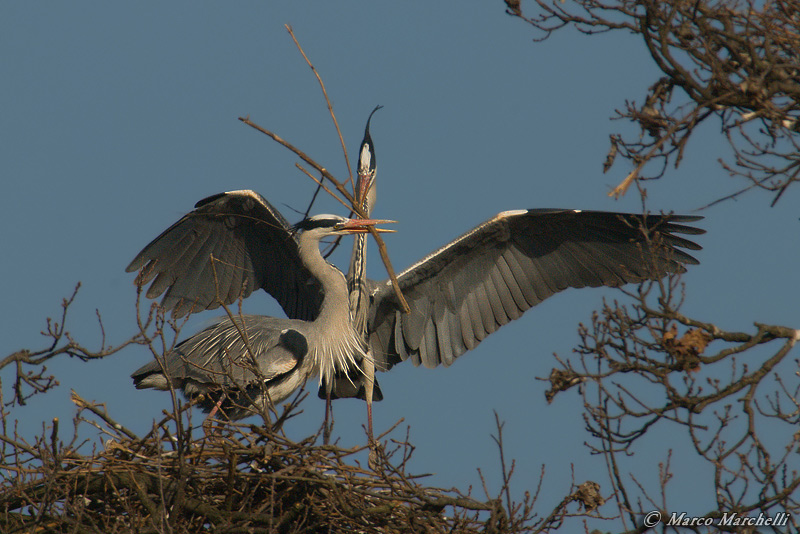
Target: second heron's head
<point>367,166</point>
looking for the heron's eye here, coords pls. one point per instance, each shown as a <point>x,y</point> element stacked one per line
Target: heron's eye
<point>319,221</point>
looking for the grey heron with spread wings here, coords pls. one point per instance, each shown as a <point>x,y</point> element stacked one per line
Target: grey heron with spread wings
<point>458,294</point>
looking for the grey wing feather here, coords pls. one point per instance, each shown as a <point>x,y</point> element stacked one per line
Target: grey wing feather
<point>253,247</point>
<point>492,274</point>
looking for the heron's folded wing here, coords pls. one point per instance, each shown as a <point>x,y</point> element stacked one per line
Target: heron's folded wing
<point>231,354</point>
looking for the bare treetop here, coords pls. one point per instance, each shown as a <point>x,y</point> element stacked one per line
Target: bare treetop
<point>730,60</point>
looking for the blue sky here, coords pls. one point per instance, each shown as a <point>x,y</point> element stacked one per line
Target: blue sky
<point>116,120</point>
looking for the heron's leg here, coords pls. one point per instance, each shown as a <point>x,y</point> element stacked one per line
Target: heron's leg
<point>369,387</point>
<point>207,422</point>
<point>327,428</point>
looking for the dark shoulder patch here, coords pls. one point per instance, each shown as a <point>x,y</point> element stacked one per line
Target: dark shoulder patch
<point>295,342</point>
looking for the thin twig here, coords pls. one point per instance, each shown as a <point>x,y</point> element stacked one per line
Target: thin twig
<point>327,102</point>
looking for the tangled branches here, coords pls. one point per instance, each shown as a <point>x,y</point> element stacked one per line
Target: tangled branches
<point>239,478</point>
<point>735,395</point>
<point>31,376</point>
<point>733,60</point>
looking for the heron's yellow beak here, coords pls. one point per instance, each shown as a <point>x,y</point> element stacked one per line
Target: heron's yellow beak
<point>361,226</point>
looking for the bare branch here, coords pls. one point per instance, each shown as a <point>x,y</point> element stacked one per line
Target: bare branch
<point>732,60</point>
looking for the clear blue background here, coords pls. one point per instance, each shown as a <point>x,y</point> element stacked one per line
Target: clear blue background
<point>115,120</point>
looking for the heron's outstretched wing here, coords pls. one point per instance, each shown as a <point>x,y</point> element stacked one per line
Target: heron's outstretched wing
<point>471,287</point>
<point>252,246</point>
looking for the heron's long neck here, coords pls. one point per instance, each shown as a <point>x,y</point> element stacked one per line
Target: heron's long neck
<point>335,341</point>
<point>357,273</point>
<point>335,305</point>
<point>357,284</point>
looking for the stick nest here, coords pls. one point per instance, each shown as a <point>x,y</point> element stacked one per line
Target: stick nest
<point>230,478</point>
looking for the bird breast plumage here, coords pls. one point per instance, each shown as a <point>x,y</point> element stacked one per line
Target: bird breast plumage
<point>335,350</point>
